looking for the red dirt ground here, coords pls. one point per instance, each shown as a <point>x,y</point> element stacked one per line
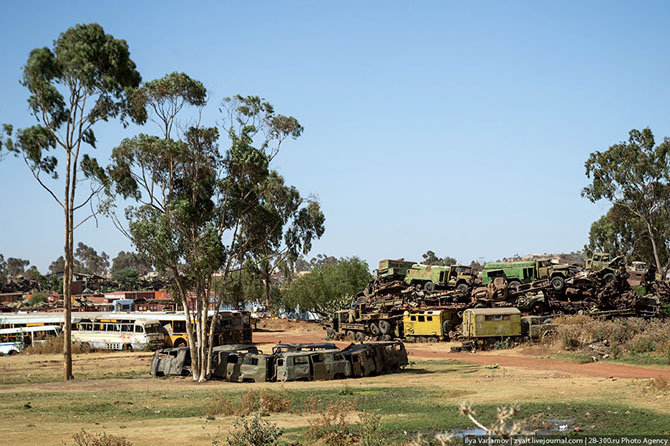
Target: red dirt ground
<point>440,351</point>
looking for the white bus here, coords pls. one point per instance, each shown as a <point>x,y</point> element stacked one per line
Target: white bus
<point>14,340</point>
<point>129,334</point>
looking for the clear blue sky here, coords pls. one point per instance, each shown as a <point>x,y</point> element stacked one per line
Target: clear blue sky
<point>460,127</point>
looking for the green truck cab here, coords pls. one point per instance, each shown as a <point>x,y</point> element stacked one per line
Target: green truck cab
<point>393,269</point>
<point>517,273</point>
<point>602,261</point>
<point>430,277</point>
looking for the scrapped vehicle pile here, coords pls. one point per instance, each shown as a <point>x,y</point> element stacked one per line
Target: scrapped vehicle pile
<point>288,362</point>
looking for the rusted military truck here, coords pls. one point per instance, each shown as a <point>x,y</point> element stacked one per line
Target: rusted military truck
<point>520,272</point>
<point>435,277</point>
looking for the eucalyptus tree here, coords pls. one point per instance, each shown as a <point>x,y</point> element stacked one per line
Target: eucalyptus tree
<point>84,78</point>
<point>201,211</point>
<point>635,175</point>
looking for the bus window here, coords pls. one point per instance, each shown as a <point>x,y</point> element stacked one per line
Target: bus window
<point>138,329</point>
<point>127,327</point>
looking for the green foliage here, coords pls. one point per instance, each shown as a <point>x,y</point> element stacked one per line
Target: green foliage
<point>329,287</point>
<point>370,425</point>
<point>254,431</point>
<point>37,298</point>
<point>127,277</point>
<point>91,262</point>
<point>429,258</point>
<point>635,175</point>
<point>16,267</point>
<point>132,260</point>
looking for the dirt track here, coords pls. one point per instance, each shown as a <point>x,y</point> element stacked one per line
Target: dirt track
<point>514,359</point>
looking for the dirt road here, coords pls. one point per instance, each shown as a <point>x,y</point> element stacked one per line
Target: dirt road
<point>603,369</point>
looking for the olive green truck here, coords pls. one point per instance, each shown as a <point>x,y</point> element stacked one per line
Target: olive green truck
<point>517,273</point>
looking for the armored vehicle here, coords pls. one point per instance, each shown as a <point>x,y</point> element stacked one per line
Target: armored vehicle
<point>311,365</point>
<point>432,277</point>
<point>517,273</point>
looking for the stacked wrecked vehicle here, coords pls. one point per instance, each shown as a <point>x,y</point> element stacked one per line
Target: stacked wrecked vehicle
<point>288,362</point>
<point>393,306</point>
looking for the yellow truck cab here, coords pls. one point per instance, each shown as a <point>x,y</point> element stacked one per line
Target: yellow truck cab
<point>429,325</point>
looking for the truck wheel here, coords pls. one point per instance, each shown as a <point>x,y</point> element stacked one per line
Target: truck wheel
<point>384,326</point>
<point>513,284</point>
<point>360,336</point>
<point>179,343</point>
<point>374,329</point>
<point>463,288</point>
<point>386,337</point>
<point>429,287</point>
<point>609,277</point>
<point>557,283</point>
<point>351,335</point>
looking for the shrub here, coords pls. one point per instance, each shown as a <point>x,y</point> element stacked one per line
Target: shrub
<point>330,425</point>
<point>370,423</point>
<point>264,401</point>
<point>54,345</point>
<point>84,438</point>
<point>254,431</point>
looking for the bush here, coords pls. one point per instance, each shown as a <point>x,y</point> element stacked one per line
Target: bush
<point>370,423</point>
<point>263,401</point>
<point>54,345</point>
<point>84,438</point>
<point>37,298</point>
<point>330,425</point>
<point>629,335</point>
<point>254,431</point>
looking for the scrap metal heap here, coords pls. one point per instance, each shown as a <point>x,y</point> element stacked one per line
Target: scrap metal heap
<point>599,293</point>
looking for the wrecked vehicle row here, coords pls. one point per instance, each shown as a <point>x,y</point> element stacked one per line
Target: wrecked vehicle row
<point>288,362</point>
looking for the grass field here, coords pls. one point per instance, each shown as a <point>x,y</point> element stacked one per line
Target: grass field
<point>114,393</point>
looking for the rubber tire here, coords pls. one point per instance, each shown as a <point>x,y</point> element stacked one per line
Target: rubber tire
<point>429,287</point>
<point>463,288</point>
<point>359,336</point>
<point>351,335</point>
<point>384,327</point>
<point>386,337</point>
<point>558,283</point>
<point>127,348</point>
<point>374,329</point>
<point>609,277</point>
<point>513,284</point>
<point>179,343</point>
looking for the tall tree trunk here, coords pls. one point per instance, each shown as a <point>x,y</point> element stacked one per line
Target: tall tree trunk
<point>267,292</point>
<point>67,281</point>
<point>659,267</point>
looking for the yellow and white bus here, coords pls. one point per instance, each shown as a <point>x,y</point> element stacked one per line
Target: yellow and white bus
<point>119,334</point>
<point>14,340</point>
